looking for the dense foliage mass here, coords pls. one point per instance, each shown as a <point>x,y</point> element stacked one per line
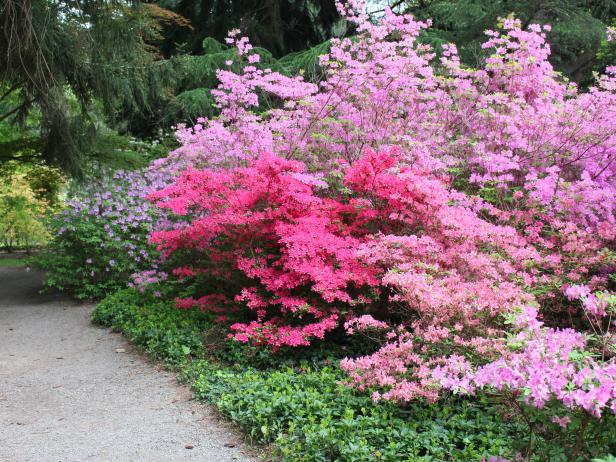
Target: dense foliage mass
<point>27,194</point>
<point>299,401</point>
<point>280,26</point>
<point>136,67</point>
<point>462,220</point>
<point>67,61</point>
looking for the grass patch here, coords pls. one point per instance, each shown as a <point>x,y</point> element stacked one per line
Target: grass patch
<point>9,262</point>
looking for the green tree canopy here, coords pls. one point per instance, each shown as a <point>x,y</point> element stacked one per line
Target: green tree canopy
<point>57,56</point>
<point>280,26</point>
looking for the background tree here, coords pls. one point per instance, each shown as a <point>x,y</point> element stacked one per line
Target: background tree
<point>289,36</point>
<point>68,67</point>
<point>58,57</point>
<point>280,26</point>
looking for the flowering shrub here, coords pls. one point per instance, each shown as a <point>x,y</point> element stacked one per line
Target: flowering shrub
<point>464,217</point>
<point>101,237</point>
<point>288,252</point>
<point>414,197</point>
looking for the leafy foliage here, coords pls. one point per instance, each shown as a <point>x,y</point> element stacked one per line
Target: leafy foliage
<point>281,26</point>
<point>27,194</point>
<point>310,416</point>
<point>304,409</point>
<point>161,331</point>
<point>54,52</point>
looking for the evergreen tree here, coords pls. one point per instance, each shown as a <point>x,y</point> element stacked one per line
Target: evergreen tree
<point>280,26</point>
<point>58,56</point>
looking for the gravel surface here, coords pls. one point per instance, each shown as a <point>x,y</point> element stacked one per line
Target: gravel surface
<point>70,391</point>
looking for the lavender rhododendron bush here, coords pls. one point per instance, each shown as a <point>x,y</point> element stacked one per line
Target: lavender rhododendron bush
<point>102,235</point>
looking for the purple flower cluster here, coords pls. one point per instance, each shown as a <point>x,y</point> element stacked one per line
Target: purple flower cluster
<point>143,279</point>
<point>104,231</point>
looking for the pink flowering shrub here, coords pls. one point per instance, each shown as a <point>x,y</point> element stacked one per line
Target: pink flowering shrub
<point>305,257</point>
<point>415,198</point>
<point>544,364</point>
<point>539,154</point>
<point>290,253</point>
<point>512,124</point>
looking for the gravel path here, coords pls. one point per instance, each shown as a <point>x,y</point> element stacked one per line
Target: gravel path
<point>70,391</point>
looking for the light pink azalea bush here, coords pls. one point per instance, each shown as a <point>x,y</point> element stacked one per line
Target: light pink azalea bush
<point>544,364</point>
<point>467,214</point>
<point>513,124</point>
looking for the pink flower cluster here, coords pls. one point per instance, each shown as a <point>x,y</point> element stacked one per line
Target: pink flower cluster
<point>363,323</point>
<point>544,364</point>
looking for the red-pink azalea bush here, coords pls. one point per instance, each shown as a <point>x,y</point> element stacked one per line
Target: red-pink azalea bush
<point>307,258</point>
<point>293,250</point>
<point>456,210</point>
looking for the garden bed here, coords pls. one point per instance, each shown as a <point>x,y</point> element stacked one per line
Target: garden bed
<point>299,404</point>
